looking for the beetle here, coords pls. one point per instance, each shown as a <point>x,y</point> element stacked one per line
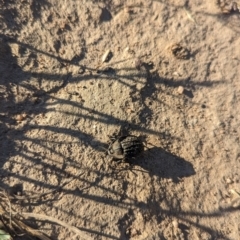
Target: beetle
<point>125,148</point>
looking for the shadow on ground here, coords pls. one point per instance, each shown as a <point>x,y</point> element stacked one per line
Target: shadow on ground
<point>166,165</point>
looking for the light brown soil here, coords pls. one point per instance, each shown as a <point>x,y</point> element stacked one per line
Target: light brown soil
<point>59,103</point>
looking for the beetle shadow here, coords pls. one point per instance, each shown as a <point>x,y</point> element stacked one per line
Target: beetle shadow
<point>159,162</point>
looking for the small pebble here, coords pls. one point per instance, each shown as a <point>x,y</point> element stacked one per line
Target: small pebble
<point>176,74</point>
<point>229,180</point>
<point>81,70</point>
<point>106,56</point>
<point>234,193</point>
<point>175,224</point>
<point>180,90</point>
<point>21,117</point>
<point>134,232</point>
<point>236,203</point>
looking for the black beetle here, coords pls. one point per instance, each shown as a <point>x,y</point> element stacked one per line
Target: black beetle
<point>125,147</point>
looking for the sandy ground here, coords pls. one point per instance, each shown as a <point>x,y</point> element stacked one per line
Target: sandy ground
<point>60,101</point>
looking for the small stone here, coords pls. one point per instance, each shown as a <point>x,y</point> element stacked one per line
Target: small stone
<point>128,231</point>
<point>134,232</point>
<point>229,180</point>
<point>236,203</point>
<point>126,9</point>
<point>150,64</point>
<point>24,115</point>
<point>129,111</point>
<point>175,224</point>
<point>21,117</point>
<point>106,56</point>
<point>176,74</point>
<point>128,50</point>
<point>81,70</point>
<point>180,90</point>
<point>234,193</point>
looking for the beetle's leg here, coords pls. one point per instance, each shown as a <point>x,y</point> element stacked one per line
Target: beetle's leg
<point>118,160</point>
<point>148,148</point>
<point>149,151</point>
<point>105,150</point>
<point>131,165</point>
<point>145,145</point>
<point>112,137</point>
<point>131,169</point>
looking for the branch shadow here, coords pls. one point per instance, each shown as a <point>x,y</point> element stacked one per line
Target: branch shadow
<point>230,19</point>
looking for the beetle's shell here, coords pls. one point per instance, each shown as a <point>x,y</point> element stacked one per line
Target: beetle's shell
<point>126,147</point>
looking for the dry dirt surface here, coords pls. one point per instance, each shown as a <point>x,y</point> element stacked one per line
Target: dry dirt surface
<point>74,72</point>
